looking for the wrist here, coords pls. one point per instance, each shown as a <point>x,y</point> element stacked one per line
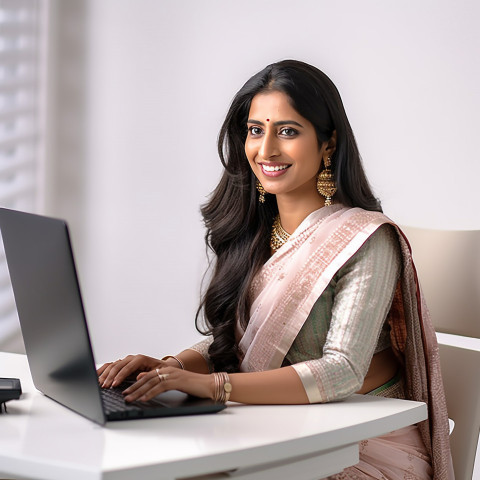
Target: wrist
<point>222,387</point>
<point>173,361</point>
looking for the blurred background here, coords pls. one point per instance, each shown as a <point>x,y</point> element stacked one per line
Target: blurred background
<point>110,111</point>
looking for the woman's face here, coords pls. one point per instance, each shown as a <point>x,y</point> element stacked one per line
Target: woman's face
<point>282,146</point>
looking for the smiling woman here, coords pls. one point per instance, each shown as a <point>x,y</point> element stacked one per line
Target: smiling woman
<point>313,295</point>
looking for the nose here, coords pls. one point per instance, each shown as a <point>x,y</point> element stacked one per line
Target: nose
<point>269,146</point>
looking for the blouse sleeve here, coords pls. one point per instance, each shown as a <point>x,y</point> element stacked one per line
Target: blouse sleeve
<point>202,348</point>
<point>363,292</point>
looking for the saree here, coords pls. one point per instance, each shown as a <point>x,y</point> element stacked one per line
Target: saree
<point>284,292</point>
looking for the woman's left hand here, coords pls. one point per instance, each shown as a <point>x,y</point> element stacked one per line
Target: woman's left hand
<point>149,384</point>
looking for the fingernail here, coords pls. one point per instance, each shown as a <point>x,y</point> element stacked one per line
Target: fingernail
<point>115,383</point>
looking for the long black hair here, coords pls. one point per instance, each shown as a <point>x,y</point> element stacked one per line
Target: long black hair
<point>238,227</point>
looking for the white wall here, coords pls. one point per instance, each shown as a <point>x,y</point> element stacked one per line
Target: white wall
<point>159,80</point>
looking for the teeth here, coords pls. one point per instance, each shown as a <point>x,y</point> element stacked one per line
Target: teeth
<point>270,168</point>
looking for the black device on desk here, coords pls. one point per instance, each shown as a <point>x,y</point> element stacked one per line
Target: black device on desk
<point>54,327</point>
<point>10,389</point>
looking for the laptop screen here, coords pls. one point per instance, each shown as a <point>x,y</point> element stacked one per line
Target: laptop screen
<point>50,309</point>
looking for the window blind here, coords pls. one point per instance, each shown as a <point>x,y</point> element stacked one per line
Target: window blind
<point>20,129</point>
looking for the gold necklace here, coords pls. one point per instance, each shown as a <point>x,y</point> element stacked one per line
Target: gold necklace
<point>279,236</point>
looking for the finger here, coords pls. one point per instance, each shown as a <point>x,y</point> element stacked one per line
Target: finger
<point>151,384</point>
<point>130,365</point>
<point>102,368</point>
<point>151,379</point>
<point>125,371</point>
<point>104,373</point>
<point>114,375</point>
<point>146,388</point>
<point>161,365</point>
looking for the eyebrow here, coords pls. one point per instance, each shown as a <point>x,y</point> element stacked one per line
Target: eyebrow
<point>276,124</point>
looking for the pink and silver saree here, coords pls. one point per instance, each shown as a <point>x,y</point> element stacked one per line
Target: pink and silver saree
<point>286,289</point>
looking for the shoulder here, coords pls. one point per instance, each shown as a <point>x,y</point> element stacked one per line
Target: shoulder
<point>381,249</point>
<point>385,236</point>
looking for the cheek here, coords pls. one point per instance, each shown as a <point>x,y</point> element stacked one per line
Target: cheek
<point>250,153</point>
<point>309,156</point>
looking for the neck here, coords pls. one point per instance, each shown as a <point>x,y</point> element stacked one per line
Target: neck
<point>293,211</point>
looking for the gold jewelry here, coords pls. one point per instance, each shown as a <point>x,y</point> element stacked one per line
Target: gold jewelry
<point>325,182</point>
<point>261,191</point>
<point>279,236</point>
<point>222,387</point>
<point>161,376</point>
<point>182,365</point>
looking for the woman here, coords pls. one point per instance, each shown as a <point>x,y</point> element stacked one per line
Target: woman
<point>313,296</point>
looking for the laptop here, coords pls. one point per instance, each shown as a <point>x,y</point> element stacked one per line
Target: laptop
<point>52,318</point>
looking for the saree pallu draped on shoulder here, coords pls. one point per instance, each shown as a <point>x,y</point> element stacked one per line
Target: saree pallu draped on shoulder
<point>288,285</point>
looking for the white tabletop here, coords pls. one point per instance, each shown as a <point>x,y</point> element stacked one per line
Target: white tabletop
<point>41,439</point>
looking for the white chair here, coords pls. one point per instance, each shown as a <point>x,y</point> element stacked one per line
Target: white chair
<point>448,266</point>
<point>461,378</point>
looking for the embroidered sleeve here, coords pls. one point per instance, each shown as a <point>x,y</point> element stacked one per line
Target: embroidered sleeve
<point>361,295</point>
<point>202,349</point>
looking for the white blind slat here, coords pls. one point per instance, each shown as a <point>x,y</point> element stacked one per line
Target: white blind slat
<point>18,188</point>
<point>14,140</point>
<point>8,114</point>
<point>10,168</point>
<point>19,129</point>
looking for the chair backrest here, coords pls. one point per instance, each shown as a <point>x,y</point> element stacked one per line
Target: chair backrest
<point>461,378</point>
<point>448,265</point>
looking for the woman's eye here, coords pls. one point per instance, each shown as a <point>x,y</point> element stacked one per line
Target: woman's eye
<point>288,132</point>
<point>255,130</point>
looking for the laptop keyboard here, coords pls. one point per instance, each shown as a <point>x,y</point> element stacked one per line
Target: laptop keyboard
<point>113,401</point>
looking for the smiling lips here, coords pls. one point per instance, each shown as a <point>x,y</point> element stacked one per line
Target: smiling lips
<point>271,170</point>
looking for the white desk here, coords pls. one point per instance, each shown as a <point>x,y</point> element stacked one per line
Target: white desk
<point>40,439</point>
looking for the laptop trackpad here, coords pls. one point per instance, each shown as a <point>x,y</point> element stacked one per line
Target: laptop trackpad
<point>174,399</point>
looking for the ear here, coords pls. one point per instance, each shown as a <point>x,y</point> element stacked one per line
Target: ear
<point>331,145</point>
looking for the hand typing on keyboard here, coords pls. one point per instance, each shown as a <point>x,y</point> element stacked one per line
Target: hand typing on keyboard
<point>153,377</point>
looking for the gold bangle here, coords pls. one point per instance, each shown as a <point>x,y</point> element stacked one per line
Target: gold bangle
<point>222,387</point>
<point>182,365</point>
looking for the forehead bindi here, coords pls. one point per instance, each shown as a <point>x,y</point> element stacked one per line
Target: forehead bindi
<point>272,107</point>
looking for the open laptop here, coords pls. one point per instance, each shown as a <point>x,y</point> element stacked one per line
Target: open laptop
<point>52,318</point>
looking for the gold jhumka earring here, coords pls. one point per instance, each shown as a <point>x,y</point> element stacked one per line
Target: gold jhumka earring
<point>261,191</point>
<point>325,183</point>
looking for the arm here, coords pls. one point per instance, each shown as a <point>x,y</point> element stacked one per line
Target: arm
<point>196,358</point>
<point>363,294</point>
<point>279,386</point>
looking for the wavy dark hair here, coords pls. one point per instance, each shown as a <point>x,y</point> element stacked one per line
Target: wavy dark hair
<point>238,227</point>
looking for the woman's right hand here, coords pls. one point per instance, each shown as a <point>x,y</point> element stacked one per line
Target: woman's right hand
<point>114,373</point>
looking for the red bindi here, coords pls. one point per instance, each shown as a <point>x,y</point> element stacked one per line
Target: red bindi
<point>268,119</point>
